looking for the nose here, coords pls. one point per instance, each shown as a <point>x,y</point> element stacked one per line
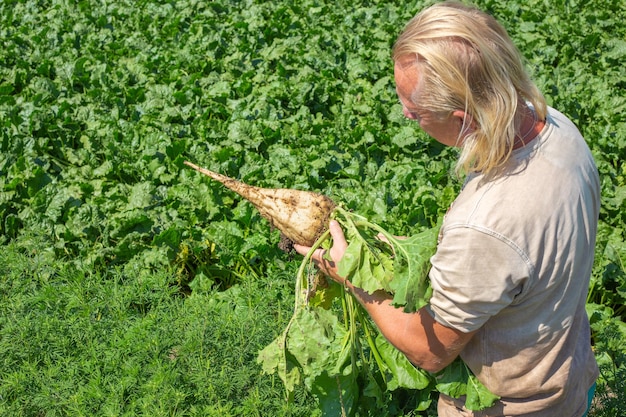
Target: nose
<point>408,114</point>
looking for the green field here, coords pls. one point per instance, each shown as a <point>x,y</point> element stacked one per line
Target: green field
<point>130,285</point>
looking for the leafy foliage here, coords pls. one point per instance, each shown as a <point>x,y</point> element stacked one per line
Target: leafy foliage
<point>100,102</point>
<point>122,342</point>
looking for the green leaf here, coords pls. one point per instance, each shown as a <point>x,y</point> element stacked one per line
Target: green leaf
<point>324,296</point>
<point>370,274</point>
<point>457,380</point>
<point>310,339</point>
<point>274,358</point>
<point>351,259</point>
<point>201,284</point>
<point>337,394</point>
<point>365,264</point>
<point>403,373</point>
<point>410,283</point>
<point>452,380</point>
<point>478,396</point>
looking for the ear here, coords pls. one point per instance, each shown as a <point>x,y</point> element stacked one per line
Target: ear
<point>465,122</point>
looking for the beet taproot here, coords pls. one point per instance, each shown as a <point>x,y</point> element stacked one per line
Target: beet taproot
<point>301,216</point>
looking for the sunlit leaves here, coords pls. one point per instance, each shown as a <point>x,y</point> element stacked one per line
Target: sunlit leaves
<point>101,101</point>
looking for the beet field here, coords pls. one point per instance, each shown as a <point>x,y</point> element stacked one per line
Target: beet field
<point>132,285</point>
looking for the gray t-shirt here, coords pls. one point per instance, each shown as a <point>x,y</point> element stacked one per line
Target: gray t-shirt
<point>513,262</point>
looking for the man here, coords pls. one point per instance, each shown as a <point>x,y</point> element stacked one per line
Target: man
<point>515,251</point>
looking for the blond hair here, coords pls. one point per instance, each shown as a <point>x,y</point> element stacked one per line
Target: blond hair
<point>468,62</point>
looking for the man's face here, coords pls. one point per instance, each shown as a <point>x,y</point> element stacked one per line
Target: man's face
<point>443,129</point>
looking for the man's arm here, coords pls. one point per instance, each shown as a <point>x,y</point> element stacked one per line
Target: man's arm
<point>426,343</point>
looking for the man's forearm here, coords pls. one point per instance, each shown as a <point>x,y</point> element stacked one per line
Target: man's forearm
<point>426,343</point>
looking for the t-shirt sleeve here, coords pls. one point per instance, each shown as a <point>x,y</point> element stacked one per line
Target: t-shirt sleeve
<point>475,273</point>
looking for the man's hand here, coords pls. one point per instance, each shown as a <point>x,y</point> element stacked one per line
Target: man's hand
<point>326,261</point>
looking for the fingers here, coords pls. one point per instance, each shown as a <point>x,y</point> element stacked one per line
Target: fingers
<point>318,256</point>
<point>339,240</point>
<point>302,250</point>
<point>324,259</point>
<point>382,238</point>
